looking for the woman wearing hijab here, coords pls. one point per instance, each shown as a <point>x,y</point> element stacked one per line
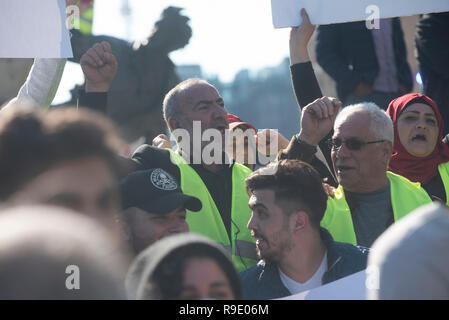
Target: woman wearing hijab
<point>419,153</point>
<point>183,267</point>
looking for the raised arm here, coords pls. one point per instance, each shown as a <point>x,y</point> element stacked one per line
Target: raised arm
<point>317,119</point>
<point>40,87</point>
<point>304,80</point>
<point>99,67</point>
<point>306,87</point>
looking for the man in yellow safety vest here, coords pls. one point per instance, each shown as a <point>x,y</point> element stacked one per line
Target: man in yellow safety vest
<point>369,198</point>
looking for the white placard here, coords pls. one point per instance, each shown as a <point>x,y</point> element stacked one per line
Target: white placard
<point>34,29</point>
<point>349,288</point>
<point>286,12</point>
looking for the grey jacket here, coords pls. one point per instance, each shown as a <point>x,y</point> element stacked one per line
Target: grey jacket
<point>262,281</point>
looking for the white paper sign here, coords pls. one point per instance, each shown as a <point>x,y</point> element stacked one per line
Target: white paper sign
<point>34,29</point>
<point>349,288</point>
<point>286,13</point>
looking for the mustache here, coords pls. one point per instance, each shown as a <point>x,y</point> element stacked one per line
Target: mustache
<point>256,234</point>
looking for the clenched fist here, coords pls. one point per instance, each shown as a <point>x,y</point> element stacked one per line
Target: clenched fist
<point>99,67</point>
<point>317,119</point>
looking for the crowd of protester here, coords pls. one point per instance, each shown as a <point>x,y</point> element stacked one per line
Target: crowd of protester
<point>168,223</point>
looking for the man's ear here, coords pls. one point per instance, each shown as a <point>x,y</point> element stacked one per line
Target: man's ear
<point>173,123</point>
<point>300,220</point>
<point>387,151</point>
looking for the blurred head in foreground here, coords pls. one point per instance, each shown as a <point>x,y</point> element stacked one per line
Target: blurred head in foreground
<point>65,157</point>
<point>53,253</point>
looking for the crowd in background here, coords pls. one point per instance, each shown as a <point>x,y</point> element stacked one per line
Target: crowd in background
<point>363,184</point>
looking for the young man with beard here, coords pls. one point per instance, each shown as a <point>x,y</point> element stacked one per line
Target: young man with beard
<point>296,253</point>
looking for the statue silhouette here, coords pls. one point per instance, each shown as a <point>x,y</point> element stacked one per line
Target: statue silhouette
<point>145,74</point>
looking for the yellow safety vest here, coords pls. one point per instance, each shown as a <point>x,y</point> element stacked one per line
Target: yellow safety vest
<point>86,20</point>
<point>405,197</point>
<point>208,221</point>
<point>443,169</point>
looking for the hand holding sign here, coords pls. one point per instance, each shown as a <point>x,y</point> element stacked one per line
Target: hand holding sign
<point>99,66</point>
<point>299,39</point>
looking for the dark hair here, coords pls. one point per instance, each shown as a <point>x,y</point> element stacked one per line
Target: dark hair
<point>297,186</point>
<point>32,142</point>
<point>166,281</point>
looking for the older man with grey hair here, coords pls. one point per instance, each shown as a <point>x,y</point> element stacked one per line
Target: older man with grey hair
<point>191,108</point>
<point>210,175</point>
<point>369,198</point>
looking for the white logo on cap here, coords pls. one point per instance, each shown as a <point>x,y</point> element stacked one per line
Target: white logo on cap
<point>163,180</point>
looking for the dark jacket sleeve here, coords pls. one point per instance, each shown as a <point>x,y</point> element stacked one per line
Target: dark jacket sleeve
<point>298,151</point>
<point>97,101</point>
<point>305,84</point>
<point>307,90</point>
<point>432,43</point>
<point>400,50</point>
<point>304,152</point>
<point>329,55</point>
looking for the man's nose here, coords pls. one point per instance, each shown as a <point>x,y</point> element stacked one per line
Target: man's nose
<point>220,111</point>
<point>252,223</point>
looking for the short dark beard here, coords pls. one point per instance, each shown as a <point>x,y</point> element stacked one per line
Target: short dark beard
<point>276,257</point>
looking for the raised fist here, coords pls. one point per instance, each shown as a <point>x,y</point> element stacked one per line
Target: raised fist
<point>99,67</point>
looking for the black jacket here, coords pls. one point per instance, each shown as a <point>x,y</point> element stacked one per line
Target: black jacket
<point>432,45</point>
<point>347,53</point>
<point>307,90</point>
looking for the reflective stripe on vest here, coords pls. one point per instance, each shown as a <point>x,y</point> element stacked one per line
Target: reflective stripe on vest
<point>443,169</point>
<point>405,197</point>
<point>208,221</point>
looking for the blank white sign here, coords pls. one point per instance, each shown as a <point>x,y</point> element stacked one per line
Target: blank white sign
<point>34,29</point>
<point>348,288</point>
<point>286,13</point>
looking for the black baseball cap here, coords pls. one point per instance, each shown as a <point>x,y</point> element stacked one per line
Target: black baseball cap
<point>155,191</point>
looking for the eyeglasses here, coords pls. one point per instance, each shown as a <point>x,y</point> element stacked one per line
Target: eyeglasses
<point>353,144</point>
